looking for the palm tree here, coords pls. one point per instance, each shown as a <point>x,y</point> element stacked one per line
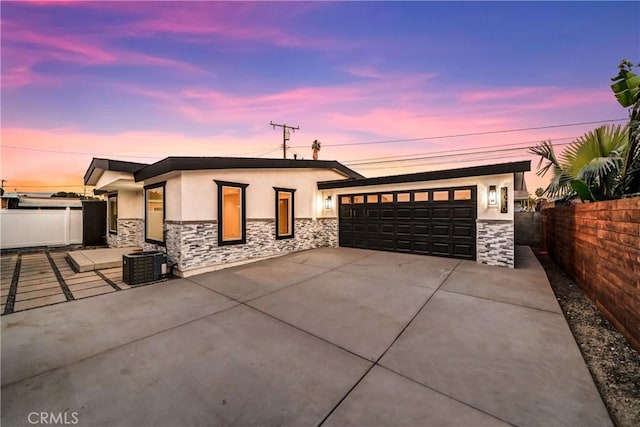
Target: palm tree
<point>626,88</point>
<point>595,159</point>
<point>560,181</point>
<point>315,146</point>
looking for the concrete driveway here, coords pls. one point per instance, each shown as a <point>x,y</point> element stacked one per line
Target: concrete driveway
<point>327,336</point>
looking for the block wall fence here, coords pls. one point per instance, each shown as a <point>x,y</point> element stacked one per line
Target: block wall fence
<point>598,245</point>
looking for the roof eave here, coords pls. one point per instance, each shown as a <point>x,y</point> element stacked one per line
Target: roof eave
<point>173,164</point>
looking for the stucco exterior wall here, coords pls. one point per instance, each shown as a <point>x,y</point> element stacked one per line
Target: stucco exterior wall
<point>131,204</point>
<point>198,192</point>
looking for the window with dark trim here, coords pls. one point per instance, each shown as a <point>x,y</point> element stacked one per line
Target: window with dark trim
<point>113,214</point>
<point>285,213</point>
<point>154,213</point>
<point>232,213</point>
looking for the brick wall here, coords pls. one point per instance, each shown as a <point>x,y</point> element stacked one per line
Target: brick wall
<point>598,244</point>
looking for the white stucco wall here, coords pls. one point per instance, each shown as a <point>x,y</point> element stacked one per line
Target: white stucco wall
<point>482,183</point>
<point>192,195</point>
<point>131,204</point>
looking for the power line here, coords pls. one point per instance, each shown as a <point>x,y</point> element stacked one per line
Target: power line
<point>468,134</point>
<point>326,145</point>
<point>261,152</point>
<point>72,152</point>
<point>505,156</point>
<point>450,155</point>
<point>399,158</point>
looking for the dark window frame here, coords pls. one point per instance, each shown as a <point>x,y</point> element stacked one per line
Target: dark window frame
<point>164,212</point>
<point>243,210</point>
<point>293,213</point>
<point>109,197</point>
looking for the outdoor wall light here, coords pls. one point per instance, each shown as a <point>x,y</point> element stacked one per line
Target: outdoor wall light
<point>327,202</point>
<point>493,196</point>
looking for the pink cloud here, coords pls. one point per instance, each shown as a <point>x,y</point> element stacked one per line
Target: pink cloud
<point>535,97</point>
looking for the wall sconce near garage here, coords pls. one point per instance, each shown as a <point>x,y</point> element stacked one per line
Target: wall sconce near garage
<point>327,202</point>
<point>492,198</point>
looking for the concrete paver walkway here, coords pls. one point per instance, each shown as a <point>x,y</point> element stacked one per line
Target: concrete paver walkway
<point>37,279</point>
<point>328,336</point>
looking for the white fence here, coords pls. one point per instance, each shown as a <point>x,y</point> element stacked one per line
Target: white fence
<point>22,228</point>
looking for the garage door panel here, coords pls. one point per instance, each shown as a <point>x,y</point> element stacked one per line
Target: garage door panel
<point>441,213</point>
<point>373,229</point>
<point>403,245</point>
<point>403,229</point>
<point>403,213</point>
<point>463,231</point>
<point>463,213</point>
<point>440,248</point>
<point>463,250</point>
<point>373,243</point>
<point>441,230</point>
<point>422,247</point>
<point>421,213</point>
<point>359,228</point>
<point>387,213</point>
<point>440,225</point>
<point>345,228</point>
<point>373,213</point>
<point>421,230</point>
<point>387,228</point>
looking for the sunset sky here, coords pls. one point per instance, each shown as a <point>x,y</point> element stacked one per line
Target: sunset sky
<point>141,81</point>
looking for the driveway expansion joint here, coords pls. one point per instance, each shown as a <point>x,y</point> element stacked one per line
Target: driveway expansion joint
<point>502,302</point>
<point>377,361</point>
<point>55,368</point>
<point>13,289</point>
<point>446,395</point>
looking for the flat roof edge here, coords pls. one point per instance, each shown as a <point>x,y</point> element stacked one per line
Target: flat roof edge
<point>176,164</point>
<point>496,169</point>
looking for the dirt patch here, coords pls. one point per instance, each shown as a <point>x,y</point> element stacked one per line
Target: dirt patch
<point>614,364</point>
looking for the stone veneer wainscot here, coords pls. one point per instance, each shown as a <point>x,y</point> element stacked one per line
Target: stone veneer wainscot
<point>130,233</point>
<point>495,242</point>
<point>194,244</point>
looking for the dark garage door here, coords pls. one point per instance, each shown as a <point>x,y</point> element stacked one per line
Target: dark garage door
<point>431,222</point>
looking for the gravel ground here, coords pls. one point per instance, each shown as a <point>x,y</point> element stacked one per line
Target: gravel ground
<point>614,364</point>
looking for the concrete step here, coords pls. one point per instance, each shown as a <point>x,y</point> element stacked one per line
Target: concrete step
<point>98,259</point>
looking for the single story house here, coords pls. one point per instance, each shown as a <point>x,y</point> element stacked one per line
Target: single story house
<point>210,211</point>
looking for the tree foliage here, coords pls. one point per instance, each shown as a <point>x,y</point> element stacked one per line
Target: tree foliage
<point>595,159</point>
<point>626,88</point>
<point>604,163</point>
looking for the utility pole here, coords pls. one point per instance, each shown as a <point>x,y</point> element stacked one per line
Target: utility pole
<point>285,135</point>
